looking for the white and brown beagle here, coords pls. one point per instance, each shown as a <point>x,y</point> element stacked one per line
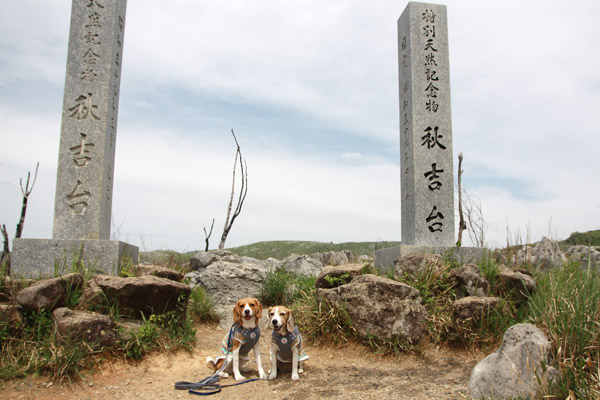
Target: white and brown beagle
<point>287,353</point>
<point>243,336</point>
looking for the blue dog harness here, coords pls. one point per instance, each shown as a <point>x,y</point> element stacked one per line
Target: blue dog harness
<point>247,337</point>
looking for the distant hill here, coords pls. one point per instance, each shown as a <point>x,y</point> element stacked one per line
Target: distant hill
<point>278,249</point>
<point>590,238</point>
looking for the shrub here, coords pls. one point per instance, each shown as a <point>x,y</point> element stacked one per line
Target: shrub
<point>201,307</point>
<point>282,288</point>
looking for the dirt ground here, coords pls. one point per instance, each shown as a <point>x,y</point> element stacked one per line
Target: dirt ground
<point>351,372</point>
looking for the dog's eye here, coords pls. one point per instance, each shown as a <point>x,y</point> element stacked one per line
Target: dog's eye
<point>282,314</point>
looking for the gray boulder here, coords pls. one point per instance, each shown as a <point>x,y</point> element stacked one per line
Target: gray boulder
<point>470,310</point>
<point>467,281</point>
<point>587,255</point>
<point>519,284</point>
<point>11,318</point>
<point>97,330</point>
<point>203,259</point>
<point>381,307</point>
<point>416,264</point>
<point>227,282</point>
<point>301,265</point>
<point>161,272</point>
<point>334,258</point>
<point>92,297</point>
<point>49,293</point>
<point>144,295</point>
<point>545,254</point>
<point>337,275</point>
<point>516,369</point>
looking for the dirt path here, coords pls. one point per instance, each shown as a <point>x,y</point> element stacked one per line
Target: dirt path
<point>348,373</point>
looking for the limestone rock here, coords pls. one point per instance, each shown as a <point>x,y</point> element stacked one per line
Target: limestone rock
<point>49,293</point>
<point>98,330</point>
<point>350,270</point>
<point>161,272</point>
<point>545,254</point>
<point>520,284</point>
<point>301,265</point>
<point>144,295</point>
<point>416,264</point>
<point>471,309</point>
<point>203,259</point>
<point>513,370</point>
<point>586,254</point>
<point>92,297</point>
<point>228,282</point>
<point>467,281</point>
<point>333,258</point>
<point>12,317</point>
<point>381,307</point>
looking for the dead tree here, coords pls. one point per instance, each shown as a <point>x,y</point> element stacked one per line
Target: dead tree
<point>26,191</point>
<point>207,235</point>
<point>462,225</point>
<point>229,219</point>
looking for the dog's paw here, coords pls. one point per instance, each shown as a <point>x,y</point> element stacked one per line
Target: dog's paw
<point>239,377</point>
<point>272,375</point>
<point>300,371</point>
<point>262,375</point>
<point>295,377</point>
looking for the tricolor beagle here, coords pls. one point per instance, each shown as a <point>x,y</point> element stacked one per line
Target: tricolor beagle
<point>287,353</point>
<point>243,336</point>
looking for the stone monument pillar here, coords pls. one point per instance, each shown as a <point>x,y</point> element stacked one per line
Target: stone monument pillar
<point>426,159</point>
<point>84,185</point>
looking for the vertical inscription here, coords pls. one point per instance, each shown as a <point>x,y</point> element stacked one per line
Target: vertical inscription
<point>90,111</point>
<point>425,127</point>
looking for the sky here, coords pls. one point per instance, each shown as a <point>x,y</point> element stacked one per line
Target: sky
<point>311,89</point>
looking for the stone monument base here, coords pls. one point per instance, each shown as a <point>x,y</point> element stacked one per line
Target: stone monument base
<point>384,258</point>
<point>36,258</point>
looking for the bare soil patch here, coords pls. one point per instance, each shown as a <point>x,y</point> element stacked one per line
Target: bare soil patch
<point>350,372</point>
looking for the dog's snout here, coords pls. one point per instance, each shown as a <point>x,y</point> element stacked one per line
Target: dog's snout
<point>247,311</point>
<point>274,322</point>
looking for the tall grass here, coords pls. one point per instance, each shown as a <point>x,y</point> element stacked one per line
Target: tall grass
<point>567,307</point>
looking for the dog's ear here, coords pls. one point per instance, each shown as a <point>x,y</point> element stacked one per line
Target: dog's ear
<point>237,315</point>
<point>259,310</point>
<point>291,324</point>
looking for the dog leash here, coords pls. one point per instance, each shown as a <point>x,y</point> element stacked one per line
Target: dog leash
<point>210,384</point>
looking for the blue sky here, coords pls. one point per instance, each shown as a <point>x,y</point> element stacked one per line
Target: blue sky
<point>311,89</point>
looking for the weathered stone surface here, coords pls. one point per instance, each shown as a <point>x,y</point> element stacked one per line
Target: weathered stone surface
<point>588,255</point>
<point>10,287</point>
<point>472,309</point>
<point>203,259</point>
<point>520,284</point>
<point>48,293</point>
<point>98,330</point>
<point>513,370</point>
<point>544,254</point>
<point>144,295</point>
<point>381,307</point>
<point>161,272</point>
<point>467,281</point>
<point>333,258</point>
<point>12,316</point>
<point>416,264</point>
<point>228,282</point>
<point>128,327</point>
<point>336,272</point>
<point>92,297</point>
<point>301,265</point>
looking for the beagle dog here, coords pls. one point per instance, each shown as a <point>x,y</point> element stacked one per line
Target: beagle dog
<point>243,336</point>
<point>287,352</point>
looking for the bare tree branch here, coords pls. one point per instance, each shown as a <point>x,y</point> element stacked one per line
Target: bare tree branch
<point>207,236</point>
<point>242,196</point>
<point>461,224</point>
<point>26,192</point>
<point>5,258</point>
